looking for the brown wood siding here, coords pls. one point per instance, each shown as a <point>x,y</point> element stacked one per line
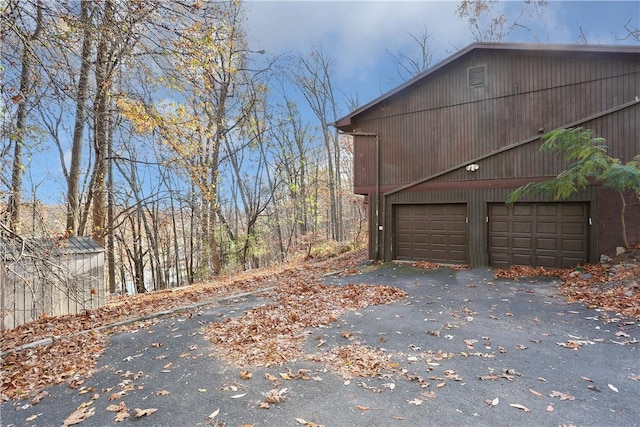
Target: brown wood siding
<point>442,123</point>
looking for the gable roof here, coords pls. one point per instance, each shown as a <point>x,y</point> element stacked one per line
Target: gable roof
<point>345,123</point>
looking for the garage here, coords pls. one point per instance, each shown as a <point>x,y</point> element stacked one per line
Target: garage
<point>538,234</point>
<point>431,232</point>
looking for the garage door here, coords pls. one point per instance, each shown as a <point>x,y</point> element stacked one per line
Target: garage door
<point>538,234</point>
<point>436,233</point>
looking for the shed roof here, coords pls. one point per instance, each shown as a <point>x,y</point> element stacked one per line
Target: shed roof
<point>12,249</point>
<point>345,123</point>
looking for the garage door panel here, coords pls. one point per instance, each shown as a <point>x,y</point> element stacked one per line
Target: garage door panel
<point>521,242</point>
<point>460,241</point>
<point>572,210</point>
<point>519,259</point>
<point>573,228</point>
<point>546,244</point>
<point>573,245</point>
<point>436,233</point>
<point>538,234</point>
<point>546,261</point>
<point>547,227</point>
<point>521,210</point>
<point>521,227</point>
<point>546,210</point>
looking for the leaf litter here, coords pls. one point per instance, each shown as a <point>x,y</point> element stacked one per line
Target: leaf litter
<point>76,341</point>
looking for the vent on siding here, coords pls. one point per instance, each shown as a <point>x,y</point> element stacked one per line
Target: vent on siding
<point>476,76</point>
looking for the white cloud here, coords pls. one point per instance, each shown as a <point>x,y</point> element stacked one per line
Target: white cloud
<point>355,34</point>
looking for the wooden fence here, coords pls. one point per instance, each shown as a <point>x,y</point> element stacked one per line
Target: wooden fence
<point>49,278</point>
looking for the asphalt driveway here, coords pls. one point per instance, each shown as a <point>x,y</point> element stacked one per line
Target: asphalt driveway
<point>468,350</point>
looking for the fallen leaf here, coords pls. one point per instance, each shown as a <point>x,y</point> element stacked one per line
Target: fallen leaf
<point>307,423</point>
<point>79,415</point>
<point>270,377</point>
<point>214,413</point>
<point>144,412</point>
<point>285,376</point>
<point>586,379</point>
<point>562,396</point>
<point>521,407</point>
<point>549,408</point>
<point>275,396</point>
<point>32,417</point>
<point>122,415</point>
<point>163,393</point>
<point>362,408</point>
<point>238,396</point>
<point>612,387</point>
<point>114,408</point>
<point>245,375</point>
<point>415,401</point>
<point>537,393</point>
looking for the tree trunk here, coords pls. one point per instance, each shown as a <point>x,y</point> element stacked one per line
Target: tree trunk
<point>623,222</point>
<point>73,180</point>
<point>101,108</point>
<point>15,192</point>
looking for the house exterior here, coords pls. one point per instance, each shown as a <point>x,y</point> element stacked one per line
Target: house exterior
<point>438,156</point>
<point>43,277</point>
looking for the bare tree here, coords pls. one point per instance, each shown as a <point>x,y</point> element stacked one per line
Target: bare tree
<point>312,75</point>
<point>489,25</point>
<point>419,57</point>
<point>632,33</point>
<point>25,23</point>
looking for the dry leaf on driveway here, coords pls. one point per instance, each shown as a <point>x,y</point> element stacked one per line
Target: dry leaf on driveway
<point>562,396</point>
<point>144,412</point>
<point>79,415</point>
<point>519,406</point>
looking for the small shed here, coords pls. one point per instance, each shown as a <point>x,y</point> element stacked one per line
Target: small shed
<point>49,277</point>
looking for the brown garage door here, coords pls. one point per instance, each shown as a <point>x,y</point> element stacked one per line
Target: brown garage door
<point>538,234</point>
<point>436,233</point>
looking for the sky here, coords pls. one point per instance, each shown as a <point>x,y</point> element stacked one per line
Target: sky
<point>357,34</point>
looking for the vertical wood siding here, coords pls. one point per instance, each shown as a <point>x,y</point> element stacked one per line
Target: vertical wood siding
<point>441,122</point>
<point>69,284</point>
